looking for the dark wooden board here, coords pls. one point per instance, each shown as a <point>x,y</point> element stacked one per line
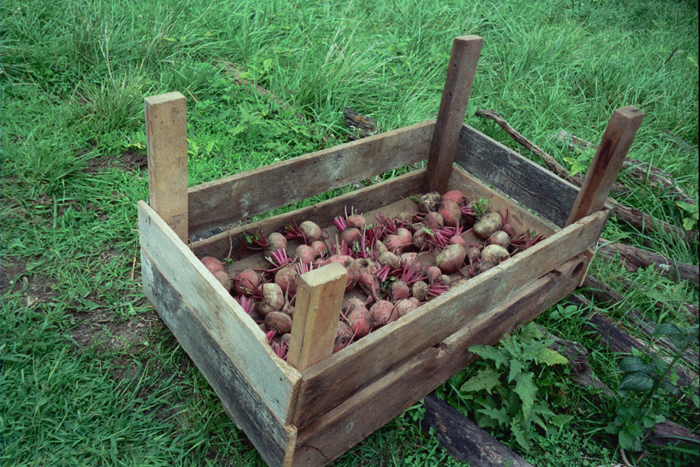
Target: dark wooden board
<point>463,439</point>
<point>518,177</point>
<point>247,194</point>
<point>329,436</point>
<point>240,400</point>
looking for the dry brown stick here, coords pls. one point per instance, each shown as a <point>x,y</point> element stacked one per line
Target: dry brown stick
<point>604,293</point>
<point>643,171</point>
<point>632,216</point>
<point>634,258</point>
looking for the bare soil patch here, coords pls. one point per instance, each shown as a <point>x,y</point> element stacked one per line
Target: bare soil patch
<point>129,161</point>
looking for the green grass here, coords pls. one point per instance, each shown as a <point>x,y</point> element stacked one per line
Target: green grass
<point>74,76</point>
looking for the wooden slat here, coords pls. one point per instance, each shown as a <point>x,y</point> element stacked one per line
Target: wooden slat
<point>256,191</point>
<point>363,200</point>
<point>607,162</point>
<point>331,435</point>
<point>453,108</point>
<point>166,129</point>
<point>316,314</point>
<point>328,383</point>
<point>237,334</point>
<point>240,400</point>
<point>519,217</point>
<point>516,176</point>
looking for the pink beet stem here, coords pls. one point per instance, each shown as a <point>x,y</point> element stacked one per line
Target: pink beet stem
<point>504,218</point>
<point>270,335</point>
<point>437,288</point>
<point>257,239</point>
<point>292,231</point>
<point>339,223</point>
<point>388,223</point>
<point>246,303</point>
<point>410,273</point>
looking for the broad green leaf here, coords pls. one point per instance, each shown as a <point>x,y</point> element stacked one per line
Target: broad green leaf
<point>516,367</point>
<point>666,329</point>
<point>636,382</point>
<point>531,349</point>
<point>669,387</point>
<point>550,357</point>
<point>500,415</point>
<point>689,223</point>
<point>488,352</point>
<point>630,437</point>
<point>561,420</point>
<point>530,332</point>
<point>521,436</point>
<point>486,379</point>
<point>635,365</point>
<point>527,390</point>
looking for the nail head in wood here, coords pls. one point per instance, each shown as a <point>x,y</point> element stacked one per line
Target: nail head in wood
<point>453,108</point>
<point>607,162</point>
<point>316,314</point>
<point>166,128</point>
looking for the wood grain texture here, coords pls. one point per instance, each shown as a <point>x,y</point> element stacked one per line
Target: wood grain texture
<point>403,384</point>
<point>236,333</point>
<point>526,182</point>
<point>465,440</point>
<point>634,258</point>
<point>166,129</point>
<point>316,315</point>
<point>244,195</point>
<point>363,200</point>
<point>240,400</point>
<point>328,383</point>
<point>453,108</point>
<point>607,162</point>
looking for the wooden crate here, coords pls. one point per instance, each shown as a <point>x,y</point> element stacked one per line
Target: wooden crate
<point>313,411</point>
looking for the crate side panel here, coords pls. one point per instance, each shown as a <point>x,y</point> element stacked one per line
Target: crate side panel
<point>363,200</point>
<point>337,431</point>
<point>237,334</point>
<point>518,217</point>
<point>333,380</point>
<point>241,401</point>
<point>516,176</point>
<point>244,195</point>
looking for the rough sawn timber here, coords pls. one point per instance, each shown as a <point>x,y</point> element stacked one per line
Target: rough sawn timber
<point>242,402</point>
<point>328,383</point>
<point>526,182</point>
<point>234,331</point>
<point>331,435</point>
<point>244,195</point>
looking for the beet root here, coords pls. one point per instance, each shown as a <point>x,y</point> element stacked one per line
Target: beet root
<point>275,241</point>
<point>360,321</point>
<point>343,336</point>
<point>488,224</point>
<point>398,291</point>
<point>245,281</point>
<point>451,258</point>
<point>212,264</point>
<point>433,273</point>
<point>224,279</point>
<point>454,195</point>
<point>312,232</point>
<point>320,248</point>
<point>404,307</point>
<point>420,290</point>
<point>273,299</point>
<point>450,212</point>
<point>383,313</point>
<point>306,254</point>
<point>430,202</point>
<point>500,238</point>
<point>351,304</point>
<point>279,322</point>
<point>355,221</point>
<point>351,236</point>
<point>287,278</point>
<point>494,254</point>
<point>348,262</point>
<point>433,221</point>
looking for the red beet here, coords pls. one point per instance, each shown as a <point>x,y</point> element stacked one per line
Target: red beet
<point>451,258</point>
<point>420,290</point>
<point>355,221</point>
<point>383,313</point>
<point>306,254</point>
<point>287,278</point>
<point>419,239</point>
<point>454,195</point>
<point>508,228</point>
<point>224,279</point>
<point>405,237</point>
<point>429,202</point>
<point>433,273</point>
<point>350,236</point>
<point>458,240</point>
<point>279,322</point>
<point>312,232</point>
<point>399,290</point>
<point>320,248</point>
<point>348,262</point>
<point>394,244</point>
<point>360,321</point>
<point>450,212</point>
<point>404,307</point>
<point>275,241</point>
<point>351,304</point>
<point>245,281</point>
<point>273,299</point>
<point>212,264</point>
<point>343,336</point>
<point>433,221</point>
<point>500,238</point>
<point>390,259</point>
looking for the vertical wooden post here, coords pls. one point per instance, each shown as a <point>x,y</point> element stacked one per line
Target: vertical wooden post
<point>453,108</point>
<point>166,127</point>
<point>316,314</point>
<point>607,162</point>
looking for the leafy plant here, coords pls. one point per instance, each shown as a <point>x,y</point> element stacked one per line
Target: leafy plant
<point>581,162</point>
<point>510,387</point>
<point>647,374</point>
<point>481,207</point>
<point>691,220</point>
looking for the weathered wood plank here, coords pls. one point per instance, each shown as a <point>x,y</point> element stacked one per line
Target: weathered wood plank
<point>241,401</point>
<point>453,108</point>
<point>237,334</point>
<point>166,129</point>
<point>363,200</point>
<point>518,216</point>
<point>240,196</point>
<point>516,176</point>
<point>465,440</point>
<point>317,311</point>
<point>403,384</point>
<point>607,162</point>
<point>326,384</point>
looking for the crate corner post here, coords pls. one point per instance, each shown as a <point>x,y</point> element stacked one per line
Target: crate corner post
<point>453,109</point>
<point>166,130</point>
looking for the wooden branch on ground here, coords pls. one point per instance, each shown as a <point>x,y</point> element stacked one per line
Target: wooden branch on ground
<point>632,216</point>
<point>463,439</point>
<point>361,125</point>
<point>643,171</point>
<point>604,293</point>
<point>634,258</point>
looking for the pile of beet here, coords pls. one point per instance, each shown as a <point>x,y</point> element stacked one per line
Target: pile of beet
<point>394,264</point>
